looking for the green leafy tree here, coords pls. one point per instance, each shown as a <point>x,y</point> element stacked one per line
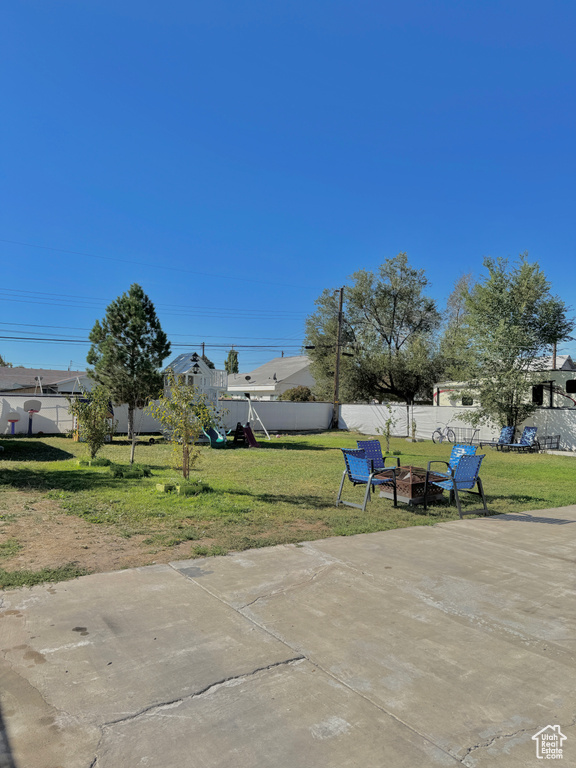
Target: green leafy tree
<point>208,362</point>
<point>512,319</point>
<point>93,417</point>
<point>458,361</point>
<point>388,330</point>
<point>184,412</point>
<point>128,348</point>
<point>231,362</point>
<point>298,394</point>
<point>4,364</point>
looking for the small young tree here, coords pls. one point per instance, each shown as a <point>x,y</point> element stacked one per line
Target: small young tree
<point>4,364</point>
<point>92,413</point>
<point>298,394</point>
<point>183,411</point>
<point>389,424</point>
<point>231,362</point>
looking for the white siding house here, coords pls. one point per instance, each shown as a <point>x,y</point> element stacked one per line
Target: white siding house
<point>198,374</point>
<point>272,379</point>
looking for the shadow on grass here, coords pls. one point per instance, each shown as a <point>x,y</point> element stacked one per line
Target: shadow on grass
<point>61,479</point>
<point>26,449</point>
<point>279,445</point>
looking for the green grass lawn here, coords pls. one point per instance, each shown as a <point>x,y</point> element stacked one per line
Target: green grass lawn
<point>281,492</point>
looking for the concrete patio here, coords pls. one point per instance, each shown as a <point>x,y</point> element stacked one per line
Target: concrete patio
<point>422,647</point>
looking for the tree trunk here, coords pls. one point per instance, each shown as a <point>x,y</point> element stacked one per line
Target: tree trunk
<point>131,433</point>
<point>185,461</point>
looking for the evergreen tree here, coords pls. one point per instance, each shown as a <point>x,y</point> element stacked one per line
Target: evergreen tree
<point>4,364</point>
<point>231,362</point>
<point>128,348</point>
<point>208,362</point>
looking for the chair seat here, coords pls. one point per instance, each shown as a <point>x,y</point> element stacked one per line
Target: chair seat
<point>448,485</point>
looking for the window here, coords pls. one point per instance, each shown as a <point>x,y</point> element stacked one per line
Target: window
<point>538,394</point>
<point>467,400</point>
<point>571,386</point>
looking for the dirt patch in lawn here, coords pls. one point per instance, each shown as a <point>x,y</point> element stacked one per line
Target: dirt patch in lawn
<point>36,534</point>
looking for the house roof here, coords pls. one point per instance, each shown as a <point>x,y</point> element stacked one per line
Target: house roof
<point>184,362</point>
<point>20,378</point>
<point>563,363</point>
<point>277,370</point>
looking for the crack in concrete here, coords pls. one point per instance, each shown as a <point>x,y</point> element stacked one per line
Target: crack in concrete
<point>291,587</point>
<point>208,688</point>
<point>494,739</point>
<point>335,561</point>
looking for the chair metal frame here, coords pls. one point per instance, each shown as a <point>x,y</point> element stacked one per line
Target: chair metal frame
<point>360,470</point>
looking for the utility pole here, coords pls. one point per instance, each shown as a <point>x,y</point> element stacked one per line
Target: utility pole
<point>203,343</point>
<point>337,366</point>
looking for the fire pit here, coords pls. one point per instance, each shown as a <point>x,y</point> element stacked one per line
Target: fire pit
<point>410,483</point>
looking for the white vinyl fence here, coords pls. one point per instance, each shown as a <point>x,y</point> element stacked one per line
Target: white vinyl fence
<point>368,418</point>
<point>280,416</point>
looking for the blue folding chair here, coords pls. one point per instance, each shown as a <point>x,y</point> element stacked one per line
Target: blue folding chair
<point>373,451</point>
<point>360,471</point>
<point>527,441</point>
<point>462,478</point>
<point>506,437</point>
<point>456,453</point>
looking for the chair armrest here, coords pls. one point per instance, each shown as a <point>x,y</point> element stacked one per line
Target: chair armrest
<point>392,458</point>
<point>437,461</point>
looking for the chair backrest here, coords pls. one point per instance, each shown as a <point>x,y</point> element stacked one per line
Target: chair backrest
<point>358,466</point>
<point>506,436</point>
<point>467,469</point>
<point>528,436</point>
<point>373,451</point>
<point>458,451</point>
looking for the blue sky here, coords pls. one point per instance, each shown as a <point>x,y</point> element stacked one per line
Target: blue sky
<point>235,159</point>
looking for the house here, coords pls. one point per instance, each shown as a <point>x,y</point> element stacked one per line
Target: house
<point>198,374</point>
<point>41,381</point>
<point>270,380</point>
<point>556,388</point>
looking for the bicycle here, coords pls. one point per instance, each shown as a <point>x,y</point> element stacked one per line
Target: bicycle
<point>444,433</point>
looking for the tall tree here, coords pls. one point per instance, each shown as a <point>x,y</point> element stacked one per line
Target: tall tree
<point>128,348</point>
<point>513,320</point>
<point>458,360</point>
<point>388,329</point>
<point>208,362</point>
<point>231,362</point>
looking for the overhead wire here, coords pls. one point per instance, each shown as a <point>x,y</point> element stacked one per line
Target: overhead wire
<point>156,265</point>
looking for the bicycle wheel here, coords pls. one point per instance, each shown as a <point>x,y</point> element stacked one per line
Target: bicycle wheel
<point>437,436</point>
<point>450,436</point>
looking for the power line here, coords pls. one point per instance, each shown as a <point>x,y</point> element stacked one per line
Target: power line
<point>76,298</point>
<point>228,339</point>
<point>154,266</point>
<point>62,340</point>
